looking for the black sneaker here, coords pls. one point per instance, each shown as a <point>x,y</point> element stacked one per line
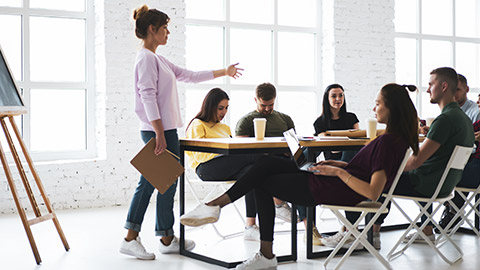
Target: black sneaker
<point>446,218</point>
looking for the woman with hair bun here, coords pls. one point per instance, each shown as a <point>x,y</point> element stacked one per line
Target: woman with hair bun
<point>157,107</point>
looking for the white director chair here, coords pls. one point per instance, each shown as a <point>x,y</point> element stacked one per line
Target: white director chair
<point>365,208</point>
<point>461,213</point>
<point>457,161</point>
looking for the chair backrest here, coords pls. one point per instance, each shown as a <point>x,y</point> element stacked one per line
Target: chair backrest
<point>408,153</point>
<point>458,160</point>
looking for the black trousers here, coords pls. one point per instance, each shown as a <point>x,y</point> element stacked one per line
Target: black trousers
<point>224,168</point>
<point>272,177</point>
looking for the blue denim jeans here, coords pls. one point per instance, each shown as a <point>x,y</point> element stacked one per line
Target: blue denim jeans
<point>141,198</point>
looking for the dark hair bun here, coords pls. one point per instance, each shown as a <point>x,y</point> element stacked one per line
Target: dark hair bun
<point>410,87</point>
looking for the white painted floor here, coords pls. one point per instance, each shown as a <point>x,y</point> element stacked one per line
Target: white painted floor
<point>94,236</point>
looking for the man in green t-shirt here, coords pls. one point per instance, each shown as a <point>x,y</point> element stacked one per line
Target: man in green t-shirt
<point>277,123</point>
<point>452,127</point>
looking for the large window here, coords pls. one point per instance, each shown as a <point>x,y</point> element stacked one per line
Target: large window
<point>435,33</point>
<point>49,46</point>
<point>275,41</point>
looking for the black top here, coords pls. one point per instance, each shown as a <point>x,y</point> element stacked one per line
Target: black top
<point>343,123</point>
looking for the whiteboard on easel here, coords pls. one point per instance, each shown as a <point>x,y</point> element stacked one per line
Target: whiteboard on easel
<point>11,102</point>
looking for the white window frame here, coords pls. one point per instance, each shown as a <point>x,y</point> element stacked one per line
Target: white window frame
<point>25,84</point>
<point>419,37</point>
<point>227,24</point>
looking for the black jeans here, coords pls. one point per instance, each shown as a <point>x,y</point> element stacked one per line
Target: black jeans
<point>224,168</point>
<point>272,177</point>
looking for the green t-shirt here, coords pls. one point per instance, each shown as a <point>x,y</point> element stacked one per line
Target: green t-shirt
<point>452,127</point>
<point>277,123</point>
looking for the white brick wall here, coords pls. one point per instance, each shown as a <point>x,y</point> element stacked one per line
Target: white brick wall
<point>358,35</point>
<point>358,52</point>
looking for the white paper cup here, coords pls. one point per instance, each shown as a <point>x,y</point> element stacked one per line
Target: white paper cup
<point>429,121</point>
<point>259,125</point>
<point>371,128</point>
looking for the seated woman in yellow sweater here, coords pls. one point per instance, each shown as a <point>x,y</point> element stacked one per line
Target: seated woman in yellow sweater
<point>216,167</point>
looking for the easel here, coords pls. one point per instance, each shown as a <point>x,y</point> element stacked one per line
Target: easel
<point>38,215</point>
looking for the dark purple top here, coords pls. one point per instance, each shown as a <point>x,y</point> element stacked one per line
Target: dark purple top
<point>384,153</point>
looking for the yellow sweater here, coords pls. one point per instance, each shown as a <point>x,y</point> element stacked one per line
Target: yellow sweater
<point>199,129</point>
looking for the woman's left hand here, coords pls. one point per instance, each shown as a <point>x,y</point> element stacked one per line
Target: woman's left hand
<point>233,71</point>
<point>327,170</point>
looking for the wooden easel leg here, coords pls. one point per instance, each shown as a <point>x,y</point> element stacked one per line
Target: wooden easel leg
<point>39,184</point>
<point>21,212</point>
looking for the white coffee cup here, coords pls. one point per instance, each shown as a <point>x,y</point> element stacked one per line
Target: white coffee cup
<point>429,121</point>
<point>259,125</point>
<point>371,128</point>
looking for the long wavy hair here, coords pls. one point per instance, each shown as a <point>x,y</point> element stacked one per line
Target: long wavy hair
<point>403,119</point>
<point>208,111</point>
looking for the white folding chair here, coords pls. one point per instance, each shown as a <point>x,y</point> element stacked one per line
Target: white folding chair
<point>461,213</point>
<point>365,208</point>
<point>457,161</point>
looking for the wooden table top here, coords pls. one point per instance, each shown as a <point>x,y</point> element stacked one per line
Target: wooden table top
<point>270,142</point>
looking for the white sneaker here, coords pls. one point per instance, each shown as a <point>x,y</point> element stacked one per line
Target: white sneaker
<point>258,261</point>
<point>335,239</point>
<point>316,237</point>
<point>136,249</point>
<point>174,247</point>
<point>419,239</point>
<point>283,212</point>
<point>202,214</point>
<point>251,233</point>
<point>377,243</point>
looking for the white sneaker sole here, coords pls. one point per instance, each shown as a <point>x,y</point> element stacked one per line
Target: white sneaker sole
<point>195,222</point>
<point>129,253</point>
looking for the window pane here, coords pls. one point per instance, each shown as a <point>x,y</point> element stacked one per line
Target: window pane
<point>255,57</point>
<point>428,109</point>
<point>204,48</point>
<point>11,42</point>
<point>70,5</point>
<point>435,54</point>
<point>437,17</point>
<point>11,3</point>
<point>206,9</point>
<point>405,60</point>
<point>289,102</point>
<point>57,49</point>
<point>467,19</point>
<point>3,140</point>
<point>194,99</point>
<point>58,121</point>
<point>251,11</point>
<point>241,103</point>
<point>297,13</point>
<point>296,58</point>
<point>406,16</point>
<point>468,61</point>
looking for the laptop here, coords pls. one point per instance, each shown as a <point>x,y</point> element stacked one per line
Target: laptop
<point>297,151</point>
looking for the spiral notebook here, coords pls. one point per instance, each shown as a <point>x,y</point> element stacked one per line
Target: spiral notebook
<point>161,171</point>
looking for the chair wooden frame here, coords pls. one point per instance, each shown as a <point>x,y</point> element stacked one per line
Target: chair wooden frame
<point>365,208</point>
<point>457,161</point>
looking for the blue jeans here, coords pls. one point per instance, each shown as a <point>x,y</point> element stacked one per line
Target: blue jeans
<point>141,198</point>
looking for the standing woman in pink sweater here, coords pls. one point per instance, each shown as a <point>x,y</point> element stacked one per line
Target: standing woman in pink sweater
<point>157,107</point>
